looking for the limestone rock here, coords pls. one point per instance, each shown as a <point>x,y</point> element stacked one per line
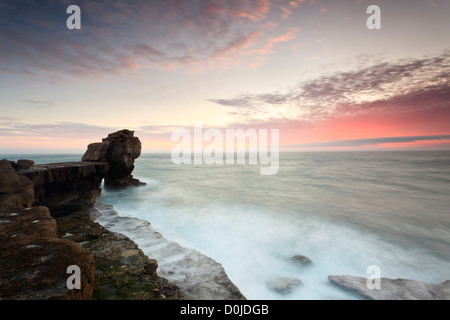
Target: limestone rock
<point>79,227</point>
<point>34,262</point>
<point>123,271</point>
<point>197,276</point>
<point>16,222</point>
<point>35,268</point>
<point>151,267</point>
<point>24,164</point>
<point>394,289</point>
<point>15,189</point>
<point>66,187</point>
<point>300,260</point>
<point>119,150</point>
<point>283,285</point>
<point>14,199</point>
<point>36,250</point>
<point>96,152</point>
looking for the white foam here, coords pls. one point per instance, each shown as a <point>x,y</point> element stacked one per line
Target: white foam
<point>197,276</point>
<point>344,217</point>
<point>253,247</point>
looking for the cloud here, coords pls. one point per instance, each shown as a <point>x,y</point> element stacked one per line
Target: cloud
<point>369,142</point>
<point>12,128</point>
<point>7,119</point>
<point>401,86</point>
<point>123,37</point>
<point>40,103</point>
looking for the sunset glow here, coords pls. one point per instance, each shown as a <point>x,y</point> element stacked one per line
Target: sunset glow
<point>311,69</point>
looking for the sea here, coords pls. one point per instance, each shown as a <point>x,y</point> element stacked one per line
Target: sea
<point>347,211</point>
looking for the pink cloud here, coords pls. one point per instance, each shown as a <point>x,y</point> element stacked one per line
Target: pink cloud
<point>267,47</point>
<point>129,38</point>
<point>286,12</point>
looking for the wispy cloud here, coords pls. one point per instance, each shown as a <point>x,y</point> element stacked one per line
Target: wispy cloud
<point>12,128</point>
<point>395,87</point>
<point>126,37</point>
<point>7,119</point>
<point>40,103</point>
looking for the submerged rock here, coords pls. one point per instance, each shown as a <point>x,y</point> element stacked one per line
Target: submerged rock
<point>119,150</point>
<point>394,289</point>
<point>283,285</point>
<point>300,260</point>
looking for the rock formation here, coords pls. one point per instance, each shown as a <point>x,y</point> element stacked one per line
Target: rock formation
<point>119,150</point>
<point>394,289</point>
<point>283,285</point>
<point>34,260</point>
<point>197,276</point>
<point>122,270</point>
<point>66,187</point>
<point>15,189</point>
<point>46,226</point>
<point>300,260</point>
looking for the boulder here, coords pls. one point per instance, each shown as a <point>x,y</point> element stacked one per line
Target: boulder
<point>35,268</point>
<point>300,260</point>
<point>283,285</point>
<point>16,222</point>
<point>394,289</point>
<point>119,150</point>
<point>15,189</point>
<point>96,152</point>
<point>34,261</point>
<point>24,164</point>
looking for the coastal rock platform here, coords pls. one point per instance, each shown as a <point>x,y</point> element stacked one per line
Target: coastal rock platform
<point>198,276</point>
<point>66,187</point>
<point>122,270</point>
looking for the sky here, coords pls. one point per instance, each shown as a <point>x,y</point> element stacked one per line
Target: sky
<point>310,68</point>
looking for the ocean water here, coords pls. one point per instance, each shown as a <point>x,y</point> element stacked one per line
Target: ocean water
<point>345,211</point>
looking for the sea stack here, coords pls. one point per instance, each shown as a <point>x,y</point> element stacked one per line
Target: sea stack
<point>119,150</point>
